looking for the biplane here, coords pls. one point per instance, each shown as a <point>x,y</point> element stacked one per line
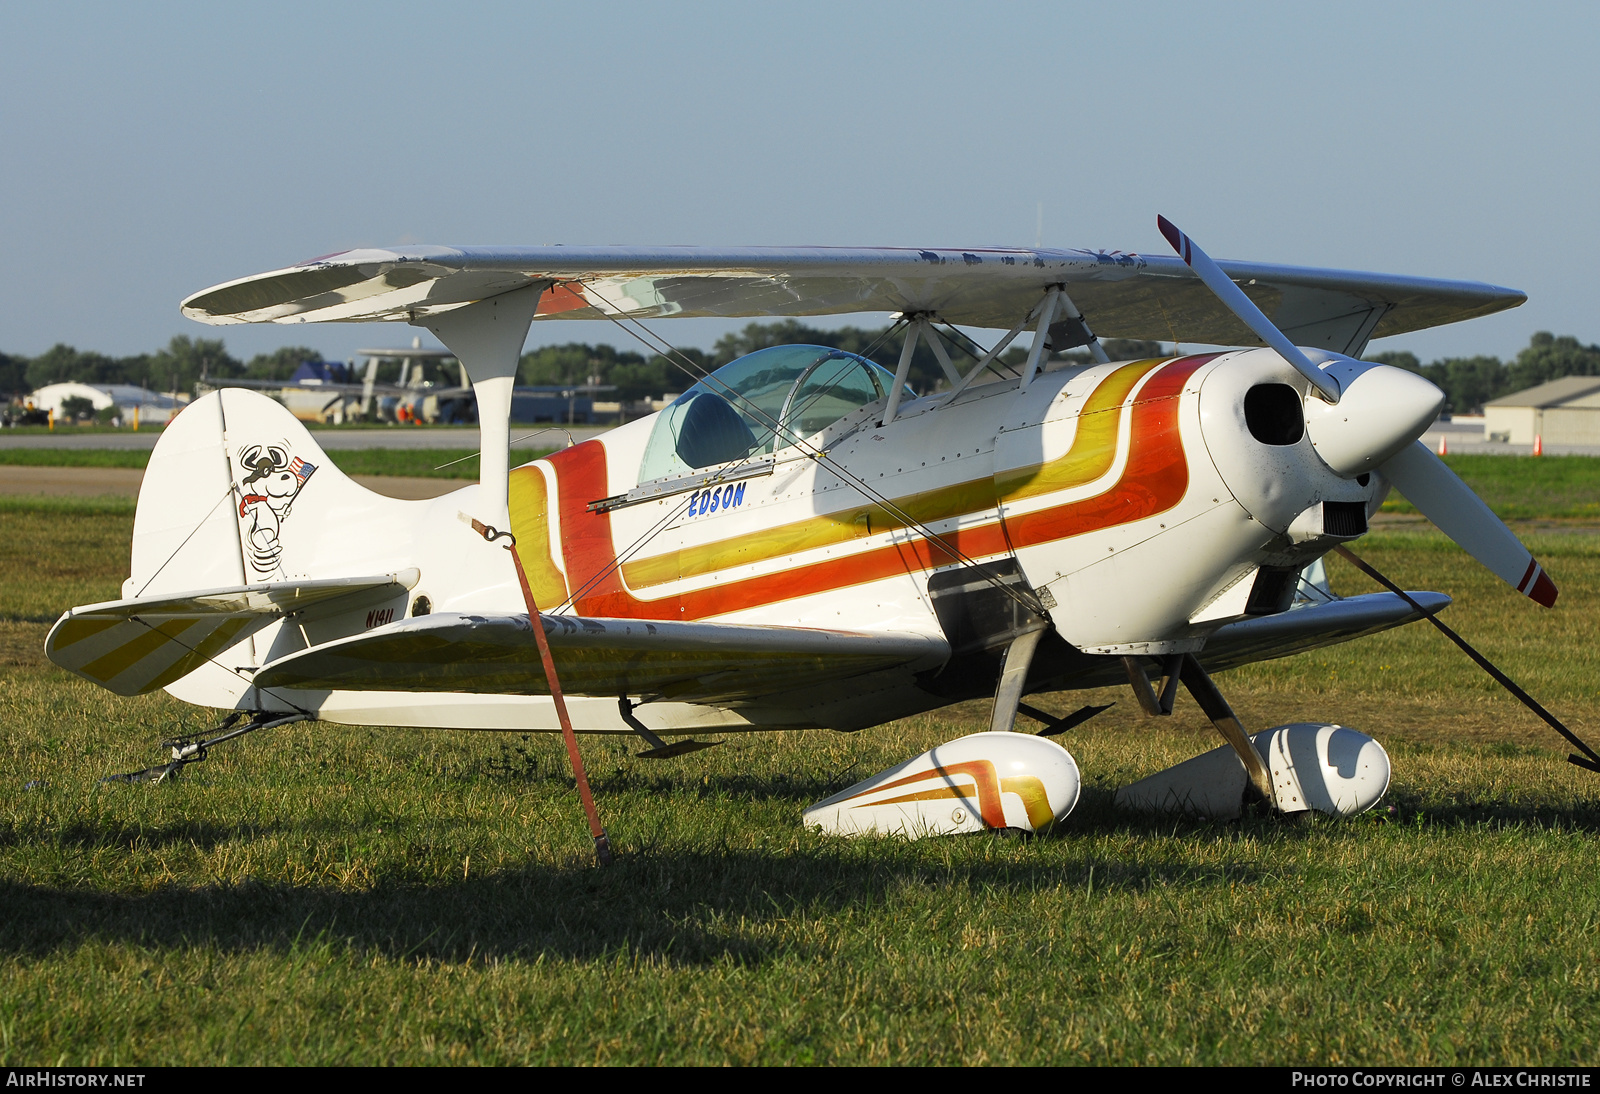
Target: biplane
<point>802,541</point>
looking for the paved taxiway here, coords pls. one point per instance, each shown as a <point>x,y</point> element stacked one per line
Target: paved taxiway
<point>92,482</point>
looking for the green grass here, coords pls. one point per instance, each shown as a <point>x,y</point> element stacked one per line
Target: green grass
<point>426,463</point>
<point>1526,487</point>
<point>325,894</point>
<point>431,463</point>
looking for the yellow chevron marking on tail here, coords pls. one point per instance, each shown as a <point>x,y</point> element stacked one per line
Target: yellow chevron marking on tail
<point>214,643</point>
<point>113,664</point>
<point>74,631</point>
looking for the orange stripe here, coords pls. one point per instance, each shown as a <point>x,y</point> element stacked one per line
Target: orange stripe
<point>1153,481</point>
<point>980,772</point>
<point>1094,444</point>
<point>559,298</point>
<point>1027,787</point>
<point>1094,447</point>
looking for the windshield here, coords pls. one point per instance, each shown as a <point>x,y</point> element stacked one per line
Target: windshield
<point>762,401</point>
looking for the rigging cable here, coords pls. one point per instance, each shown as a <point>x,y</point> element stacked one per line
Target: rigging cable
<point>1590,759</point>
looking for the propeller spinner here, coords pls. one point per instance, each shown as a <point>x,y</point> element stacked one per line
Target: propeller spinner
<point>1370,420</point>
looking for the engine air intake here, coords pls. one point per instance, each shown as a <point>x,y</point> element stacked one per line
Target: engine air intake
<point>1274,415</point>
<point>1344,518</point>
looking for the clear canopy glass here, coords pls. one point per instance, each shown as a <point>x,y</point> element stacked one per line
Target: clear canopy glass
<point>763,401</point>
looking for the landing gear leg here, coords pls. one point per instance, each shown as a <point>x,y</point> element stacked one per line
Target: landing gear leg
<point>1150,702</point>
<point>659,749</point>
<point>1013,677</point>
<point>1216,708</point>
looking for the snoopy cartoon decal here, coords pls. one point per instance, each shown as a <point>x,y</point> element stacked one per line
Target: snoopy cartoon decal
<point>272,481</point>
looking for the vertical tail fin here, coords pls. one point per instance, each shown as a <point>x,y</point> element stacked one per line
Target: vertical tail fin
<point>237,492</point>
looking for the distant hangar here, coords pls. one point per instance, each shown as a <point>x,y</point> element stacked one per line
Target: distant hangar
<point>1560,412</point>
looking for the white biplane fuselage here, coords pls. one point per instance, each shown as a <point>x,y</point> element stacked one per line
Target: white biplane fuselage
<point>1133,498</point>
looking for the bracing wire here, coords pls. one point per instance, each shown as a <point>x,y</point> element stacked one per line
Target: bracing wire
<point>248,682</point>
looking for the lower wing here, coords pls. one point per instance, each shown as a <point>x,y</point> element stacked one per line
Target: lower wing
<point>1312,627</point>
<point>693,662</point>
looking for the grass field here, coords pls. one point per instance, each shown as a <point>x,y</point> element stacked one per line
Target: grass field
<point>338,895</point>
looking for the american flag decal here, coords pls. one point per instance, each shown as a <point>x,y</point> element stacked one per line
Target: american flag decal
<point>301,469</point>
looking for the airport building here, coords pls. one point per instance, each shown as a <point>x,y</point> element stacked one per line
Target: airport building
<point>1560,412</point>
<point>154,408</point>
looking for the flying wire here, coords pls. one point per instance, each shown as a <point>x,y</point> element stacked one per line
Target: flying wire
<point>514,440</point>
<point>248,682</point>
<point>226,494</point>
<point>1589,760</point>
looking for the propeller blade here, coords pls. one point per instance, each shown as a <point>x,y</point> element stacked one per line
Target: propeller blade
<point>1242,306</point>
<point>1441,496</point>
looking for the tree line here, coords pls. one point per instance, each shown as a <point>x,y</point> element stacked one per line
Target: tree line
<point>176,368</point>
<point>1468,382</point>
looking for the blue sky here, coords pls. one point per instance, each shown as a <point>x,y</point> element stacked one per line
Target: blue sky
<point>153,150</point>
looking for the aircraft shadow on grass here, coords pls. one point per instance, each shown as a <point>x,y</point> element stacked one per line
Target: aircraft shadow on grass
<point>654,903</point>
<point>659,905</point>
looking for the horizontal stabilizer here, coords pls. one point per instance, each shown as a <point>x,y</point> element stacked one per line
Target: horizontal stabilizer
<point>1312,627</point>
<point>497,654</point>
<point>136,646</point>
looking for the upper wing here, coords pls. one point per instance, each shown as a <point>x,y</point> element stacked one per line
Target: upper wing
<point>135,646</point>
<point>497,654</point>
<point>1122,295</point>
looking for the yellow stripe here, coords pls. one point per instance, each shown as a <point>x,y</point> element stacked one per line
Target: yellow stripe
<point>214,643</point>
<point>76,630</point>
<point>113,664</point>
<point>1031,790</point>
<point>1094,447</point>
<point>530,516</point>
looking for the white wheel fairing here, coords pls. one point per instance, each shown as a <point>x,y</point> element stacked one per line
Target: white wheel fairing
<point>982,781</point>
<point>1315,767</point>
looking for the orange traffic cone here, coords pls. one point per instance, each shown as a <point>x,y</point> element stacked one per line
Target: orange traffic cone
<point>1538,444</point>
<point>1444,446</point>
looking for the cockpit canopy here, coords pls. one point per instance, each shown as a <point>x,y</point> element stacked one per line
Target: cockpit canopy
<point>763,401</point>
